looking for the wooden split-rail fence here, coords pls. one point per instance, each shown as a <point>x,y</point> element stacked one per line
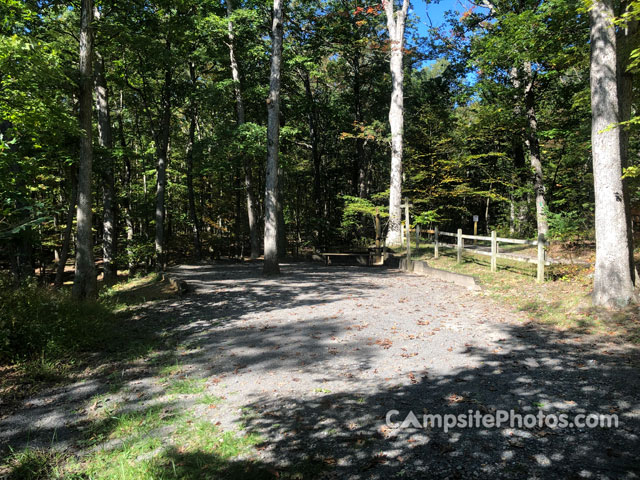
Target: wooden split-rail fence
<point>541,259</point>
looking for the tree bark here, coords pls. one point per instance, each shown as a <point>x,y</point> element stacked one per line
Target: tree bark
<point>312,118</point>
<point>282,229</point>
<point>533,145</point>
<point>487,218</point>
<point>193,114</point>
<point>613,283</point>
<point>68,229</point>
<point>127,185</point>
<point>271,266</point>
<point>105,139</point>
<point>247,164</point>
<point>161,167</point>
<point>627,41</point>
<point>512,215</point>
<point>84,283</point>
<point>395,24</point>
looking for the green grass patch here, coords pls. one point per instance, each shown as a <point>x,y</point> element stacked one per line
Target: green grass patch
<point>171,370</point>
<point>187,386</point>
<point>44,370</point>
<point>137,290</point>
<point>132,424</point>
<point>209,399</point>
<point>193,449</point>
<point>32,464</point>
<point>158,443</point>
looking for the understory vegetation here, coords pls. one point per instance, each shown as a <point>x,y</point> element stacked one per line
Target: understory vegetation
<point>46,325</point>
<point>48,337</point>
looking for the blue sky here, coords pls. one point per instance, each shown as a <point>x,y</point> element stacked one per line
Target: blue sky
<point>435,12</point>
<point>429,15</point>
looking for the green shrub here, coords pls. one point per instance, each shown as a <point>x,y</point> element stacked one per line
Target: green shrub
<point>138,253</point>
<point>39,322</point>
<point>567,226</point>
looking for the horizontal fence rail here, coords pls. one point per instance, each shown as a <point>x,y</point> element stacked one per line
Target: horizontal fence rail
<point>540,260</point>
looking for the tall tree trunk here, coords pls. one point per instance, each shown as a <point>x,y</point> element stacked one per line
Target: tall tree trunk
<point>105,139</point>
<point>68,229</point>
<point>84,282</point>
<point>487,219</point>
<point>128,219</point>
<point>313,136</point>
<point>193,113</point>
<point>613,283</point>
<point>395,24</point>
<point>533,146</point>
<point>627,41</point>
<point>522,174</point>
<point>512,215</point>
<point>238,241</point>
<point>282,229</point>
<point>127,182</point>
<point>247,164</point>
<point>271,266</point>
<point>161,168</point>
<point>531,138</point>
<point>312,118</point>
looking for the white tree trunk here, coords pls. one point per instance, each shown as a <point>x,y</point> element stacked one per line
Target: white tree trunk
<point>395,25</point>
<point>271,266</point>
<point>613,284</point>
<point>84,282</point>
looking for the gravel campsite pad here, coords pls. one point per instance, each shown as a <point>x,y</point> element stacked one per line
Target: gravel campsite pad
<point>312,361</point>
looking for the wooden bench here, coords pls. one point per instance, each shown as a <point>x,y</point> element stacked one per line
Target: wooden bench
<point>341,258</point>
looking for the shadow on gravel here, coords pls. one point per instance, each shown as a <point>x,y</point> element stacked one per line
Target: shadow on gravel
<point>531,370</point>
<point>343,435</point>
<point>211,319</point>
<point>225,301</point>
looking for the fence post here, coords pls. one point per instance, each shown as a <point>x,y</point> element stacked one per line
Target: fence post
<point>494,251</point>
<point>378,256</point>
<point>418,239</point>
<point>459,245</point>
<point>540,277</point>
<point>435,242</point>
<point>407,225</point>
<point>475,229</point>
